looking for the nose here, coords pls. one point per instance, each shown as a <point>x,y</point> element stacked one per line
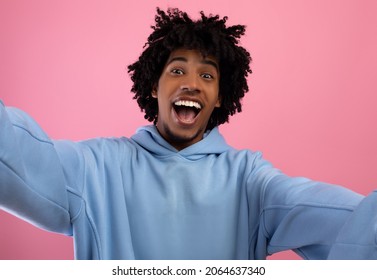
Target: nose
<point>190,83</point>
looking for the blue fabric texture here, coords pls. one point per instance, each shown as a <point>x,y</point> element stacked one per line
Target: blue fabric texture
<point>140,198</point>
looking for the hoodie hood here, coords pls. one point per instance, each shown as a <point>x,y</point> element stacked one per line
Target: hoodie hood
<point>150,139</point>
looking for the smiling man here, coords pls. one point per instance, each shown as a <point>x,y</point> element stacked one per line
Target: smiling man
<point>176,189</point>
<point>192,76</point>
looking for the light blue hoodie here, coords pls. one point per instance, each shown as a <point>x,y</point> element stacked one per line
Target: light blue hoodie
<point>140,198</point>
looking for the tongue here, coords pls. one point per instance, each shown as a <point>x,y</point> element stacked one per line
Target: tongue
<point>186,114</point>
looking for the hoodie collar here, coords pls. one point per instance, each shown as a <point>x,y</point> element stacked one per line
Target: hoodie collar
<point>150,139</point>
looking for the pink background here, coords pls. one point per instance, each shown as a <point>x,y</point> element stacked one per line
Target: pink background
<point>311,108</point>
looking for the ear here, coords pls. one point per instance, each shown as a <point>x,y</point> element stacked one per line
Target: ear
<point>154,91</point>
<point>218,103</point>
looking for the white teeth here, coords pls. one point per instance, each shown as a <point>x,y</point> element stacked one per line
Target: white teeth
<point>188,104</point>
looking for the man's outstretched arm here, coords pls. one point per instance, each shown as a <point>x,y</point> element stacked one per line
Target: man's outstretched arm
<point>32,184</point>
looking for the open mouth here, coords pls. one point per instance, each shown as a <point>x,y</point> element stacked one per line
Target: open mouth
<point>186,110</point>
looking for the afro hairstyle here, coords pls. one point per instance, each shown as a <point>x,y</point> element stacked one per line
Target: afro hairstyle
<point>209,35</point>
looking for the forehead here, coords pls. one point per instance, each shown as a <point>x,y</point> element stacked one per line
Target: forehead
<point>188,55</point>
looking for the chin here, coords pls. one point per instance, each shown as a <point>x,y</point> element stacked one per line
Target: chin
<point>182,137</point>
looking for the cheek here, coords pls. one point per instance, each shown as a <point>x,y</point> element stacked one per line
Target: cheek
<point>162,102</point>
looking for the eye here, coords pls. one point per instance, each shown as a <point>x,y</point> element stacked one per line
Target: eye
<point>207,76</point>
<point>177,71</point>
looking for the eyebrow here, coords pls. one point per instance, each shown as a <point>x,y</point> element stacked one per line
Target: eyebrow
<point>204,61</point>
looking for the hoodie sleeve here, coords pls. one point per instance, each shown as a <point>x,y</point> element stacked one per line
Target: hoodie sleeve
<point>32,183</point>
<point>357,239</point>
<point>297,213</point>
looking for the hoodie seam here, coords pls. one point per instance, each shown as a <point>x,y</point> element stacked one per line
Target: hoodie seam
<point>32,189</point>
<point>86,207</point>
<point>32,135</point>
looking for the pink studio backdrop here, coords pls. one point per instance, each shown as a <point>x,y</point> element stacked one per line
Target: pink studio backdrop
<point>311,106</point>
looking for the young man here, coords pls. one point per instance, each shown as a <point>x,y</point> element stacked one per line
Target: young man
<point>175,189</point>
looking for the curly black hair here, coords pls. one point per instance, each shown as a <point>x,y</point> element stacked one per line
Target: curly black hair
<point>209,35</point>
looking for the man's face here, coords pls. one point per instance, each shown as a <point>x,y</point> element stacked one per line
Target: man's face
<point>187,92</point>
